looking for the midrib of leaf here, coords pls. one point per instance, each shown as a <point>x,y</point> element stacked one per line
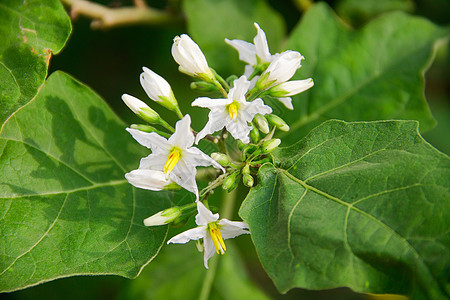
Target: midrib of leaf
<point>378,72</point>
<point>350,206</point>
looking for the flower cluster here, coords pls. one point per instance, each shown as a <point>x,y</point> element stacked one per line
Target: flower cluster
<point>240,111</point>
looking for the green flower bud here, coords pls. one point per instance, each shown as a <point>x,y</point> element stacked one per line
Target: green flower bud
<point>278,122</point>
<point>231,79</point>
<point>221,158</point>
<point>254,135</point>
<point>231,182</point>
<point>203,86</point>
<point>141,109</point>
<point>144,128</point>
<point>261,123</point>
<point>248,180</point>
<point>270,145</point>
<point>246,170</point>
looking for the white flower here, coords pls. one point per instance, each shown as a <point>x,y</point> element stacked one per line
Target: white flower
<point>280,70</point>
<point>233,113</point>
<point>190,58</point>
<point>174,157</point>
<point>141,109</point>
<point>158,89</point>
<point>212,231</point>
<point>255,53</point>
<point>286,89</point>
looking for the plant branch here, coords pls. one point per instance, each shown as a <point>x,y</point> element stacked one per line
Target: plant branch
<point>105,18</point>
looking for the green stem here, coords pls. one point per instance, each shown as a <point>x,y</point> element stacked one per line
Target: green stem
<point>228,202</point>
<point>178,112</point>
<point>166,125</point>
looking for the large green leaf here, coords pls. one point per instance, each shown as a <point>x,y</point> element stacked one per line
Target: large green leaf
<point>65,207</point>
<point>30,32</point>
<point>369,74</point>
<point>364,205</point>
<point>211,21</point>
<point>178,273</point>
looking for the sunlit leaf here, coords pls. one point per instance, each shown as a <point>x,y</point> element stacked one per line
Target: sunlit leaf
<point>65,206</point>
<point>364,205</point>
<point>369,74</point>
<point>30,32</point>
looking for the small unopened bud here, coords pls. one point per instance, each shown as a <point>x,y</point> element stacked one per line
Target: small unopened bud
<point>278,122</point>
<point>221,158</point>
<point>246,170</point>
<point>203,86</point>
<point>270,145</point>
<point>163,217</point>
<point>241,145</point>
<point>158,89</point>
<point>141,109</point>
<point>230,80</point>
<point>261,123</point>
<point>144,128</point>
<point>254,135</point>
<point>248,181</point>
<point>231,182</point>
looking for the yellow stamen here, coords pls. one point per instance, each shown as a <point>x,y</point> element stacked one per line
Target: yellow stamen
<point>233,110</point>
<point>217,239</point>
<point>172,160</point>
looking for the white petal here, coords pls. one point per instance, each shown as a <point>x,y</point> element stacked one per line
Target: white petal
<point>197,158</point>
<point>183,136</point>
<point>247,51</point>
<point>239,129</point>
<point>261,46</point>
<point>150,140</point>
<point>216,121</point>
<point>154,161</point>
<point>134,103</point>
<point>209,250</point>
<point>188,235</point>
<point>211,103</point>
<point>231,229</point>
<point>148,179</point>
<point>184,175</point>
<point>188,55</point>
<point>204,215</point>
<point>240,88</point>
<point>287,101</point>
<point>257,106</point>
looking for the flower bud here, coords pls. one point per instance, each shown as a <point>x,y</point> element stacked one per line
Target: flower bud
<point>141,109</point>
<point>261,123</point>
<point>246,170</point>
<point>190,58</point>
<point>280,70</point>
<point>278,122</point>
<point>221,158</point>
<point>203,86</point>
<point>158,89</point>
<point>291,88</point>
<point>230,79</point>
<point>163,217</point>
<point>270,145</point>
<point>231,182</point>
<point>144,128</point>
<point>254,135</point>
<point>248,181</point>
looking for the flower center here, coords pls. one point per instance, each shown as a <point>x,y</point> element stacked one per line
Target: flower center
<point>233,109</point>
<point>216,237</point>
<point>172,160</point>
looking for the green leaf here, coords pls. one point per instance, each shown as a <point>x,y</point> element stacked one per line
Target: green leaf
<point>364,205</point>
<point>369,74</point>
<point>65,206</point>
<point>211,21</point>
<point>30,32</point>
<point>178,273</point>
<point>359,12</point>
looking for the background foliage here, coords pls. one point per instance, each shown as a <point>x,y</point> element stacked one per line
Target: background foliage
<point>368,63</point>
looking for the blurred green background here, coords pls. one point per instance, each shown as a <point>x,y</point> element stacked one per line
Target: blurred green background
<point>110,63</point>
